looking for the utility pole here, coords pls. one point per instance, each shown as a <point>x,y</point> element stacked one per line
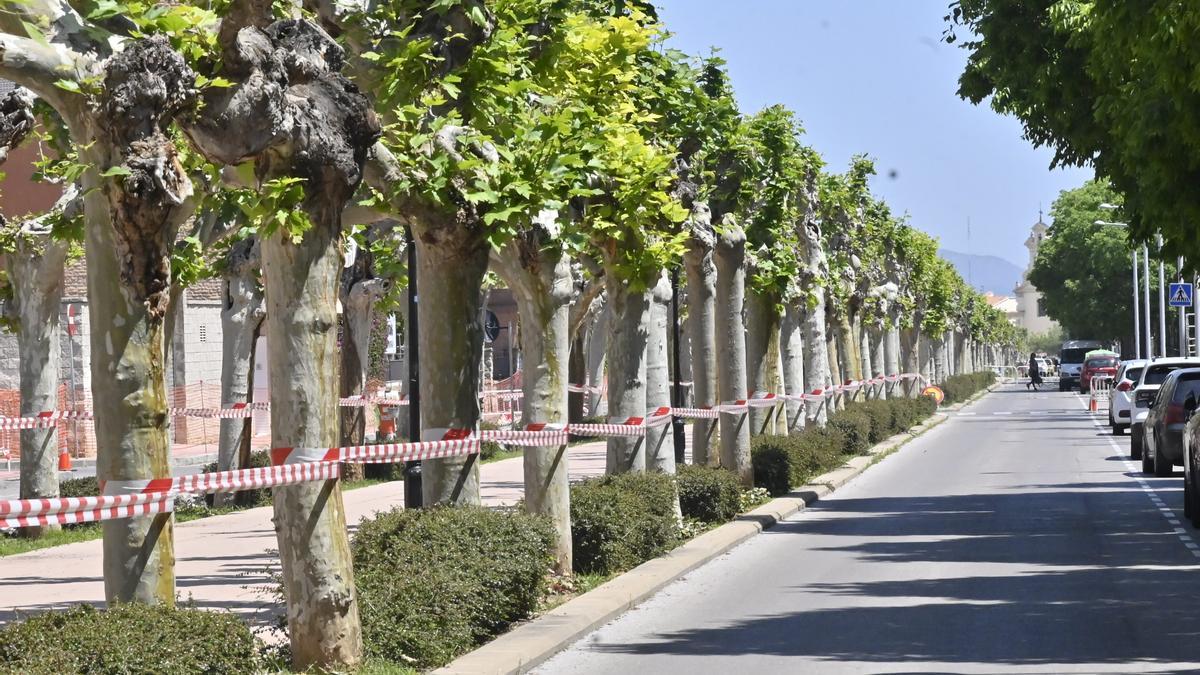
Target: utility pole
<point>1137,328</point>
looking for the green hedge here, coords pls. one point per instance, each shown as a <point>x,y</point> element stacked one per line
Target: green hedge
<point>87,486</point>
<point>708,494</point>
<point>962,387</point>
<point>618,522</point>
<point>435,583</point>
<point>855,426</point>
<point>129,639</point>
<point>781,462</point>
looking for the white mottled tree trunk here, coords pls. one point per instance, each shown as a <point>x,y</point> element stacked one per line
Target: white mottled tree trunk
<point>836,374</point>
<point>129,399</point>
<point>302,285</point>
<point>449,275</point>
<point>701,325</point>
<point>791,342</point>
<point>628,332</point>
<point>597,347</point>
<point>817,374</point>
<point>660,440</point>
<point>876,340</point>
<point>36,277</point>
<point>241,322</point>
<point>730,258</point>
<point>763,322</point>
<point>543,287</point>
<point>891,347</point>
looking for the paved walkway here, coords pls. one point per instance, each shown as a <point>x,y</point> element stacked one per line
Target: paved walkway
<point>224,562</point>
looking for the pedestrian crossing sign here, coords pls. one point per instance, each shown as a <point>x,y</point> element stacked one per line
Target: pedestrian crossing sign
<point>1181,295</point>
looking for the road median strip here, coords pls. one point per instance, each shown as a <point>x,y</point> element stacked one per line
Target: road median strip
<point>532,643</point>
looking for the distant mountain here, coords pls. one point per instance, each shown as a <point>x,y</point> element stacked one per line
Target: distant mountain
<point>985,272</point>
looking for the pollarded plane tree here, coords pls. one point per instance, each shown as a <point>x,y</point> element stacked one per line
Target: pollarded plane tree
<point>721,166</point>
<point>117,100</point>
<point>773,251</point>
<point>844,198</point>
<point>879,270</point>
<point>809,309</point>
<point>588,71</point>
<point>34,250</point>
<point>460,89</point>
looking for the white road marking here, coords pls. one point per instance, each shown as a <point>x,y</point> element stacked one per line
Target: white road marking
<point>1135,470</point>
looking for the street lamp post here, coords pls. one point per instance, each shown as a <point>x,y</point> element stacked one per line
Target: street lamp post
<point>1137,337</point>
<point>1137,328</point>
<point>1162,298</point>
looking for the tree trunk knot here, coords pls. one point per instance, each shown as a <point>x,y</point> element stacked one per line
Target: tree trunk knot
<point>291,110</point>
<point>16,119</point>
<point>145,87</point>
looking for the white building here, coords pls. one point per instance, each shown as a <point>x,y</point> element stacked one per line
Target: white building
<point>1031,311</point>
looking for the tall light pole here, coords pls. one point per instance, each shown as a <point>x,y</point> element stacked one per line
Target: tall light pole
<point>1183,348</point>
<point>1162,298</point>
<point>1137,328</point>
<point>1137,336</point>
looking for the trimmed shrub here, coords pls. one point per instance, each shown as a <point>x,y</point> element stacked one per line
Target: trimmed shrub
<point>783,462</point>
<point>772,464</point>
<point>132,638</point>
<point>962,387</point>
<point>618,522</point>
<point>855,427</point>
<point>88,486</point>
<point>488,449</point>
<point>708,494</point>
<point>883,423</point>
<point>435,583</point>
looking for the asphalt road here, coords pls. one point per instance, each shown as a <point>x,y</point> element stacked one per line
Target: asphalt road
<point>1015,537</point>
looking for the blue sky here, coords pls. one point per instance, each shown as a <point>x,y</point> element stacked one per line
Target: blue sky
<point>873,76</point>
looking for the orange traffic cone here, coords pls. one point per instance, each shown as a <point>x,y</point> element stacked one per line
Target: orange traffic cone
<point>64,460</point>
<point>1092,405</point>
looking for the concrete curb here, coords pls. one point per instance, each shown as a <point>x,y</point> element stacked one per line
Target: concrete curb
<point>531,644</point>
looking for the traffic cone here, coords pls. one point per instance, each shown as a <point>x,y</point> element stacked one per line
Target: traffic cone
<point>1092,405</point>
<point>64,460</point>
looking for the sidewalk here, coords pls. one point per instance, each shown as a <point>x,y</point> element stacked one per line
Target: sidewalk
<point>223,562</point>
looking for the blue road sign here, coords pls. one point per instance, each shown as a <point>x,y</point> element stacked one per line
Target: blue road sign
<point>1180,295</point>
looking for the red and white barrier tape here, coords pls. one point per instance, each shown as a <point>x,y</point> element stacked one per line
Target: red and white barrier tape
<point>160,504</point>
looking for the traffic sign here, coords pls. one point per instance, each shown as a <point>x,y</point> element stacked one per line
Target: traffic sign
<point>1181,295</point>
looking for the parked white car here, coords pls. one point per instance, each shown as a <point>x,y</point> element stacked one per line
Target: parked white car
<point>1152,377</point>
<point>1120,405</point>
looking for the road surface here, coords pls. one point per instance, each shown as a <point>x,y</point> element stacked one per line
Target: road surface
<point>1014,537</point>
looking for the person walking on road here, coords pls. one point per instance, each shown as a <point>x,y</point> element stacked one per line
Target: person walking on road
<point>1035,374</point>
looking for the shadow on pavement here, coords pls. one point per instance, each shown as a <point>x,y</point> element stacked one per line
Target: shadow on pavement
<point>1068,589</point>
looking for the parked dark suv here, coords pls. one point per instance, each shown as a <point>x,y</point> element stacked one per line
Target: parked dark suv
<point>1162,433</point>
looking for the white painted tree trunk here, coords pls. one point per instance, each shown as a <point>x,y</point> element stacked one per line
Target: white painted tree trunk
<point>450,274</point>
<point>660,440</point>
<point>701,325</point>
<point>848,347</point>
<point>597,347</point>
<point>36,277</point>
<point>302,281</point>
<point>730,258</point>
<point>763,322</point>
<point>791,342</point>
<point>543,286</point>
<point>628,332</point>
<point>241,322</point>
